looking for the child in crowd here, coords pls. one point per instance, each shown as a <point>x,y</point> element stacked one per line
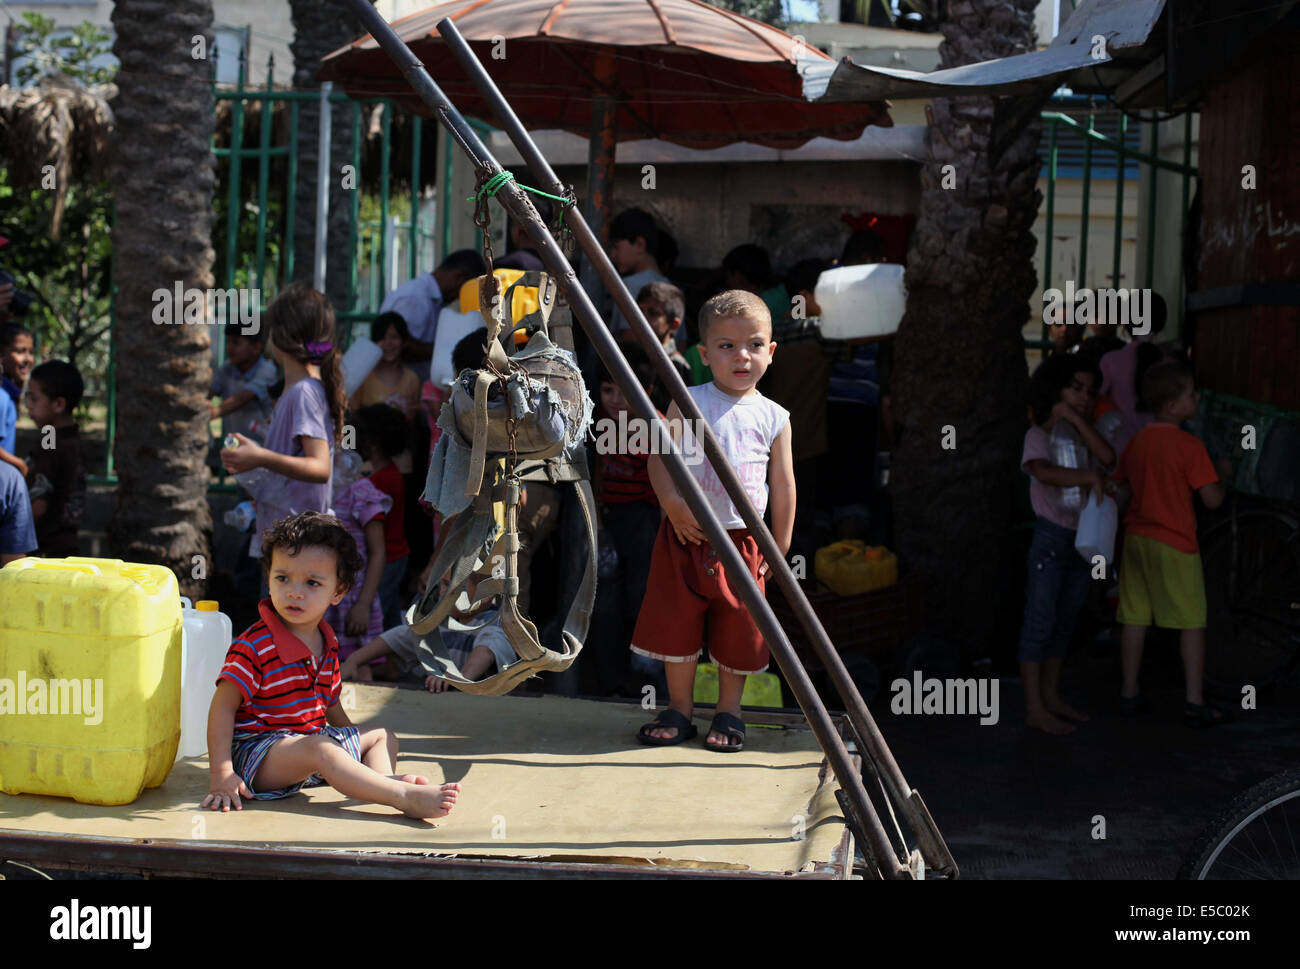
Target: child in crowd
<point>362,508</point>
<point>633,249</point>
<point>1160,578</point>
<point>688,588</point>
<point>629,521</point>
<point>1063,388</point>
<point>382,435</point>
<point>308,417</point>
<point>275,724</point>
<point>243,383</point>
<point>663,306</point>
<point>392,382</point>
<point>56,475</point>
<point>1120,414</point>
<point>476,649</point>
<point>16,360</point>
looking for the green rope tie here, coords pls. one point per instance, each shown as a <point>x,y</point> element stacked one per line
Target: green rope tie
<point>499,180</point>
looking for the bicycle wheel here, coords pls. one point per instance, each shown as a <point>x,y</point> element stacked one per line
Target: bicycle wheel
<point>1257,837</point>
<point>1252,592</point>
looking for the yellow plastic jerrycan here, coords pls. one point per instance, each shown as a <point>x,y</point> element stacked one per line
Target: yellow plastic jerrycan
<point>90,678</point>
<point>851,567</point>
<point>523,301</point>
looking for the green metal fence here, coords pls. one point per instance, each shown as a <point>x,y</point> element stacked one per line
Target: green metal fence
<point>370,240</point>
<point>1094,140</point>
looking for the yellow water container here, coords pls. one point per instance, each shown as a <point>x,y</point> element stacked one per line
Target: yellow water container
<point>852,567</point>
<point>90,678</point>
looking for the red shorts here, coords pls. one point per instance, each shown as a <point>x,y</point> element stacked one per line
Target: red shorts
<point>687,593</point>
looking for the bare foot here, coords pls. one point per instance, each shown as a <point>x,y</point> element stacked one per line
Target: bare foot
<point>1048,724</point>
<point>427,801</point>
<point>669,733</point>
<point>435,684</point>
<point>1060,708</point>
<point>715,739</point>
<point>411,779</point>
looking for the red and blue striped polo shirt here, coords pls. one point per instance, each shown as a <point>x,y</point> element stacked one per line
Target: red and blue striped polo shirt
<point>283,686</point>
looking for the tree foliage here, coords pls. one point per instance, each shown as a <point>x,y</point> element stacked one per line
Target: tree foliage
<point>71,56</point>
<point>68,276</point>
<point>769,11</point>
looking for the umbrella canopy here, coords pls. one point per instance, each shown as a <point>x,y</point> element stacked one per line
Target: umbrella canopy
<point>679,70</point>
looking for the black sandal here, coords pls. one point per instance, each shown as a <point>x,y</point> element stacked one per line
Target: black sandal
<point>1202,715</point>
<point>732,727</point>
<point>669,719</point>
<point>1133,706</point>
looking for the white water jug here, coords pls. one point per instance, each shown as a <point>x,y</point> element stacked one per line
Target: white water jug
<point>861,301</point>
<point>205,639</point>
<point>358,362</point>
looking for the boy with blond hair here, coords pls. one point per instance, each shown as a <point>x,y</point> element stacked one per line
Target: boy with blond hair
<point>1160,577</point>
<point>688,589</point>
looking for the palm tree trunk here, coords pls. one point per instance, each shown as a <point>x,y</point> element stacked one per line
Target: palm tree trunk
<point>162,186</point>
<point>960,376</point>
<point>320,27</point>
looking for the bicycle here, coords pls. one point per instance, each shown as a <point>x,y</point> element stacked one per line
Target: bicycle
<point>1251,558</point>
<point>1257,837</point>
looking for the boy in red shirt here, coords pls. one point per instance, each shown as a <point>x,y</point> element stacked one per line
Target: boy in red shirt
<point>275,725</point>
<point>1160,576</point>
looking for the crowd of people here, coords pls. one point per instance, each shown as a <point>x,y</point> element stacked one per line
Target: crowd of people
<point>344,477</point>
<point>1107,418</point>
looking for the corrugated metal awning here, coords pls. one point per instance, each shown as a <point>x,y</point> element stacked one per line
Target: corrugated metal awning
<point>1125,24</point>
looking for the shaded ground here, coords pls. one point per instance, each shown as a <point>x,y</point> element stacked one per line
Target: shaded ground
<point>1015,803</point>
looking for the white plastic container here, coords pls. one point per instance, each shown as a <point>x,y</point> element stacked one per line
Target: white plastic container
<point>861,301</point>
<point>358,362</point>
<point>205,638</point>
<point>1097,527</point>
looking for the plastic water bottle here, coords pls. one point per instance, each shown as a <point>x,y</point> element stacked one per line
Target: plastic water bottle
<point>1066,450</point>
<point>241,517</point>
<point>205,639</point>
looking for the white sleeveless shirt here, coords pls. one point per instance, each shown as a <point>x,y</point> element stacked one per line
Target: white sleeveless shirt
<point>746,428</point>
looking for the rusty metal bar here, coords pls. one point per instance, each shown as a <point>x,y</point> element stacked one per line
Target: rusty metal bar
<point>870,741</point>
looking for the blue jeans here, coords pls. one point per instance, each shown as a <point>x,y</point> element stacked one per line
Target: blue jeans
<point>390,587</point>
<point>1054,593</point>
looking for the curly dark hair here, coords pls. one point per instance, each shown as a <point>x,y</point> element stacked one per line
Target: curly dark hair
<point>1052,376</point>
<point>313,528</point>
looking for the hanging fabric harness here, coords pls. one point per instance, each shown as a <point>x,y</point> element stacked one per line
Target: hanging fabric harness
<point>518,418</point>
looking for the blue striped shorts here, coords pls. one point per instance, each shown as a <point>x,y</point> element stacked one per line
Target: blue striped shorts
<point>248,750</point>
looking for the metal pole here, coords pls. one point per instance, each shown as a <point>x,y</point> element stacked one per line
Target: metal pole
<point>264,173</point>
<point>322,184</point>
<point>861,815</point>
<point>1051,217</point>
<point>1083,212</point>
<point>413,255</point>
<point>1119,200</point>
<point>385,170</point>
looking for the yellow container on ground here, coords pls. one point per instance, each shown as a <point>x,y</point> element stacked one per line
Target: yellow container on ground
<point>90,678</point>
<point>851,567</point>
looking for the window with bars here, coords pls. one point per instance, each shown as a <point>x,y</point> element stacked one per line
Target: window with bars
<point>1070,142</point>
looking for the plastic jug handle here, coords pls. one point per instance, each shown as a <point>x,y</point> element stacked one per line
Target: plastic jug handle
<point>56,565</point>
<point>185,602</point>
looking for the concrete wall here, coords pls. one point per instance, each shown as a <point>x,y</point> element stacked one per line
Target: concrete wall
<point>792,209</point>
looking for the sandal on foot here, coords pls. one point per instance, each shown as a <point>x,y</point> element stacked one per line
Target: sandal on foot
<point>1132,706</point>
<point>669,719</point>
<point>1202,715</point>
<point>733,728</point>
